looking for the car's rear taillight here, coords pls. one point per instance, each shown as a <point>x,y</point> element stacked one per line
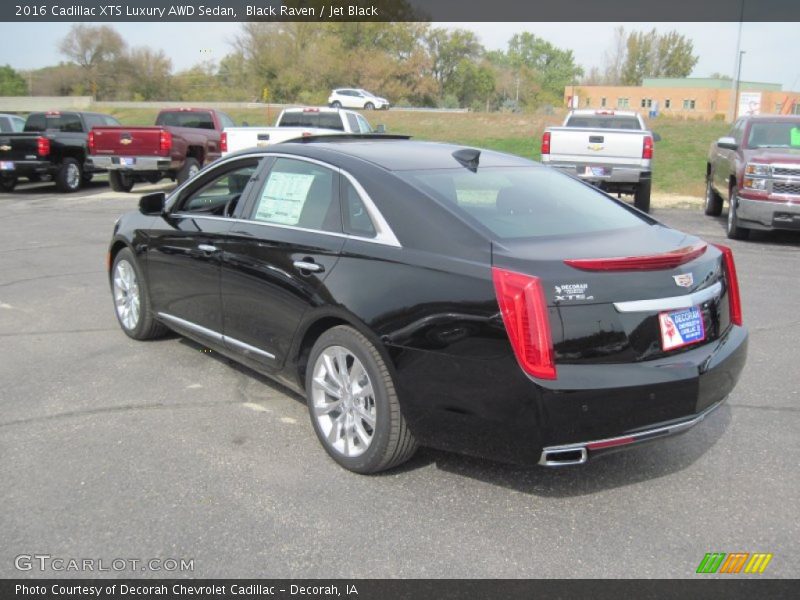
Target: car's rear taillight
<point>524,310</point>
<point>647,147</point>
<point>165,142</point>
<point>546,143</point>
<point>42,146</point>
<point>734,299</point>
<point>90,142</point>
<point>223,142</point>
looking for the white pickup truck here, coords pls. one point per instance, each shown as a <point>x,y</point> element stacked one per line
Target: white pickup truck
<point>610,149</point>
<point>295,123</point>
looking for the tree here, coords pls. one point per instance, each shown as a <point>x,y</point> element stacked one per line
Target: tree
<point>545,69</point>
<point>657,55</point>
<point>12,83</point>
<point>472,84</point>
<point>97,50</point>
<point>148,74</point>
<point>614,58</point>
<point>447,49</point>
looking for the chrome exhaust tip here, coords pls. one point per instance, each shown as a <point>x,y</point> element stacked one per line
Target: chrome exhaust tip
<point>563,457</point>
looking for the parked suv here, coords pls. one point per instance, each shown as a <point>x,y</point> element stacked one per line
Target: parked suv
<point>356,98</point>
<point>757,168</point>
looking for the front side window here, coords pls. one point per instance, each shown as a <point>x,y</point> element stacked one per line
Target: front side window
<point>301,194</point>
<point>524,202</point>
<point>220,195</point>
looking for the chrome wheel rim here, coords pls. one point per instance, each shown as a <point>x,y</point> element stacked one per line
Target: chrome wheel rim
<point>126,294</point>
<point>343,401</point>
<point>731,214</point>
<point>73,176</point>
<point>193,170</point>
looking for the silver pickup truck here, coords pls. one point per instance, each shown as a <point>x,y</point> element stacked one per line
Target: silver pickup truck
<point>610,149</point>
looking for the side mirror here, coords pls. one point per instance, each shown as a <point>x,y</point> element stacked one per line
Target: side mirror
<point>381,128</point>
<point>152,204</point>
<point>728,143</point>
<point>656,137</point>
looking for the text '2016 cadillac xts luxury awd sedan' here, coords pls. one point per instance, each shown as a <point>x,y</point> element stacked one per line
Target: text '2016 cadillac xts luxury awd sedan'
<point>422,293</point>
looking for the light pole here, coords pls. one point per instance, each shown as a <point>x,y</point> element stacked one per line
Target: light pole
<point>738,81</point>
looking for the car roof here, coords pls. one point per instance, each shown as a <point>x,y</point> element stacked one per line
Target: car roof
<point>395,154</point>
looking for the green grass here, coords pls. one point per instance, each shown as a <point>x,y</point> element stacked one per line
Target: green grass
<point>680,156</point>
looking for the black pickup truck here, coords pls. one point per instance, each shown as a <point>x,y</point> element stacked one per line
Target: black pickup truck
<point>52,143</point>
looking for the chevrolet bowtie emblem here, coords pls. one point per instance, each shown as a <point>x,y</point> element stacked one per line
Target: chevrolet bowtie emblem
<point>5,148</point>
<point>596,147</point>
<point>126,141</point>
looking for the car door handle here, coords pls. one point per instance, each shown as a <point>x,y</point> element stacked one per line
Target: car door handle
<point>309,266</point>
<point>208,248</point>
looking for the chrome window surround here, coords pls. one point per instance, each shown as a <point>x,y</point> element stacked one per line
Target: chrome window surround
<point>384,234</point>
<point>672,303</point>
<point>215,335</point>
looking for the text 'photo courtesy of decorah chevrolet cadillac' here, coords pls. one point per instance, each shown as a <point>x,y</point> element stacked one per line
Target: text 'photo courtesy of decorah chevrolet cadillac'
<point>421,293</point>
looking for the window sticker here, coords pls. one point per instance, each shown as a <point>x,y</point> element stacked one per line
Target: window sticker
<point>283,198</point>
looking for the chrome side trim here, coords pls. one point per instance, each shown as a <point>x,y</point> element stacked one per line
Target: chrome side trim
<point>673,303</point>
<point>638,437</point>
<point>215,335</point>
<point>209,333</point>
<point>239,345</point>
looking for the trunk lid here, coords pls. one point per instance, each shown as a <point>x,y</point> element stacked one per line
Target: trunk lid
<point>612,316</point>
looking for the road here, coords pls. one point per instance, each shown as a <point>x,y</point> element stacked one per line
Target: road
<point>111,448</point>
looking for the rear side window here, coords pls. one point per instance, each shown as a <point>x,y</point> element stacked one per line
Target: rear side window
<point>186,118</point>
<point>5,125</point>
<point>356,219</point>
<point>603,122</point>
<point>323,120</point>
<point>524,202</point>
<point>299,194</point>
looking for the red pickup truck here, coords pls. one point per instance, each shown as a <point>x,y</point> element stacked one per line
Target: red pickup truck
<point>182,141</point>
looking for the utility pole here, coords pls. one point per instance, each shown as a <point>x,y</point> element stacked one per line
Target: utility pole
<point>736,93</point>
<point>735,85</point>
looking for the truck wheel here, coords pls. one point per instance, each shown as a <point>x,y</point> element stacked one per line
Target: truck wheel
<point>713,206</point>
<point>641,198</point>
<point>732,229</point>
<point>7,184</point>
<point>120,182</point>
<point>68,178</point>
<point>189,170</point>
<point>369,106</point>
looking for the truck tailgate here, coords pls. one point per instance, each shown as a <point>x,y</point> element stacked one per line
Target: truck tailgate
<point>613,146</point>
<point>19,146</point>
<point>127,141</point>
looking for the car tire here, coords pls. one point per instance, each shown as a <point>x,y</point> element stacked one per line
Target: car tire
<point>732,228</point>
<point>369,106</point>
<point>132,299</point>
<point>641,197</point>
<point>69,176</point>
<point>189,169</point>
<point>120,182</point>
<point>7,184</point>
<point>713,201</point>
<point>336,104</point>
<point>364,431</point>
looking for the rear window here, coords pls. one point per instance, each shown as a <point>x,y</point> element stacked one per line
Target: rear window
<point>603,122</point>
<point>321,120</point>
<point>64,122</point>
<point>100,121</point>
<point>186,118</point>
<point>524,202</point>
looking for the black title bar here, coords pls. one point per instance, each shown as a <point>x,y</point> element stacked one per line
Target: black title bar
<point>400,10</point>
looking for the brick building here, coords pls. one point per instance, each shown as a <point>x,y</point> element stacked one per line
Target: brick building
<point>693,97</point>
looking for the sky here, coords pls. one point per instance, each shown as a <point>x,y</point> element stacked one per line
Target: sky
<point>770,48</point>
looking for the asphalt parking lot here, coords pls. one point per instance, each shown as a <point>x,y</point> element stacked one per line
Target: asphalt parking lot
<point>111,448</point>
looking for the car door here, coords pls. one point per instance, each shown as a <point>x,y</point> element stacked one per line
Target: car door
<point>277,258</point>
<point>185,247</point>
<point>725,159</point>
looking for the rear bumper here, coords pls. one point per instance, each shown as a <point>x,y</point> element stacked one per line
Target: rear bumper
<point>23,168</point>
<point>140,163</point>
<point>577,454</point>
<point>769,214</point>
<point>614,173</point>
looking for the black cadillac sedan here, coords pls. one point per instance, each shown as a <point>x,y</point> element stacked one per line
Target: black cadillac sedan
<point>423,293</point>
